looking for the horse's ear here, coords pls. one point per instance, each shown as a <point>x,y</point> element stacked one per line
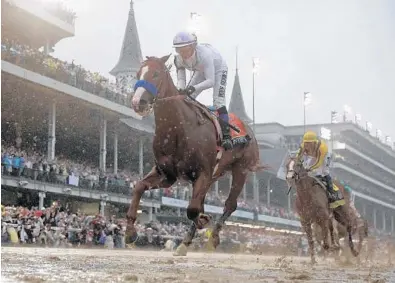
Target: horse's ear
<point>165,58</point>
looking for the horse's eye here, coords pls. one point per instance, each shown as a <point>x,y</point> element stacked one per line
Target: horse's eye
<point>155,75</point>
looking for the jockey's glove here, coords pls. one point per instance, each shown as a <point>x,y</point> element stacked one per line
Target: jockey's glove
<point>189,90</point>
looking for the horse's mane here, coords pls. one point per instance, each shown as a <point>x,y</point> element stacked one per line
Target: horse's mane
<point>168,67</point>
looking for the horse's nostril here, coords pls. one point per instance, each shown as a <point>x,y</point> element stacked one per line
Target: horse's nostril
<point>143,102</point>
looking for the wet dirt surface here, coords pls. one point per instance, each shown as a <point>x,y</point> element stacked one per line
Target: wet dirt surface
<point>20,264</point>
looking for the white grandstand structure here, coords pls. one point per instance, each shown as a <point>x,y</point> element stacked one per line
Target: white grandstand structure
<point>51,105</point>
<point>360,160</point>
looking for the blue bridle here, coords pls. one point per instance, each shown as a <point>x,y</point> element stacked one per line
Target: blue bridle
<point>151,88</point>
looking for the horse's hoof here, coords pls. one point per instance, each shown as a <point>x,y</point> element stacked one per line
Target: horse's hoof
<point>203,220</point>
<point>313,261</point>
<point>215,241</point>
<point>326,247</point>
<point>181,250</point>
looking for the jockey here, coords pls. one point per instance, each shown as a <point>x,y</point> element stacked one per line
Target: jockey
<point>315,156</point>
<point>348,191</point>
<point>209,71</point>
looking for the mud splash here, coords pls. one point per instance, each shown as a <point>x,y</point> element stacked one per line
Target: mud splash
<point>98,265</point>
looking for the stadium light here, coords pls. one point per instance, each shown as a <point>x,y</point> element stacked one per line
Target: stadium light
<point>358,118</point>
<point>306,101</point>
<point>325,133</point>
<point>255,65</point>
<point>255,69</point>
<point>378,133</point>
<point>195,21</point>
<point>369,126</point>
<point>307,98</point>
<point>347,111</point>
<point>334,117</point>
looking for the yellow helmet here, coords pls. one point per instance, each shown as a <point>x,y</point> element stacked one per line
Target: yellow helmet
<point>310,136</point>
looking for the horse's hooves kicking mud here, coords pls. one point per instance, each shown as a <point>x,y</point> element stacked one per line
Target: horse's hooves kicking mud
<point>181,250</point>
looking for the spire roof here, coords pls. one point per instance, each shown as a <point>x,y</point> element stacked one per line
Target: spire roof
<point>236,104</point>
<point>131,57</point>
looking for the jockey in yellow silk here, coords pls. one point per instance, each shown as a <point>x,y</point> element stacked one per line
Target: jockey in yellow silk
<point>315,156</point>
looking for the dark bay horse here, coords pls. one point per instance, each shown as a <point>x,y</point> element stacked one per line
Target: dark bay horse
<point>313,207</point>
<point>185,147</point>
<point>359,225</point>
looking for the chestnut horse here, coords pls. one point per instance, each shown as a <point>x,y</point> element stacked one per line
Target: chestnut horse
<point>312,206</point>
<point>185,147</point>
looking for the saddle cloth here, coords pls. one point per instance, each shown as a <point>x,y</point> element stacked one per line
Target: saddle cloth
<point>336,199</point>
<point>238,138</point>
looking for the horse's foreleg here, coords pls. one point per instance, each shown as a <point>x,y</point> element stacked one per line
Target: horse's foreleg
<point>195,208</point>
<point>239,176</point>
<point>195,212</point>
<point>309,232</point>
<point>152,180</point>
<point>324,224</point>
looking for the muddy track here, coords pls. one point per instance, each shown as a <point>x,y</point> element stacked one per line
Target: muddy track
<point>100,265</point>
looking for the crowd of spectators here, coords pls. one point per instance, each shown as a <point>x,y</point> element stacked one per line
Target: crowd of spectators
<point>62,171</point>
<point>55,8</point>
<point>56,226</point>
<point>35,166</point>
<point>65,72</point>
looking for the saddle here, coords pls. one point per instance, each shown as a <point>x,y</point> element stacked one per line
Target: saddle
<point>335,200</point>
<point>204,115</point>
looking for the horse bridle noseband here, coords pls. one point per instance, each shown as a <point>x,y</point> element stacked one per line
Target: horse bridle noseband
<point>154,91</point>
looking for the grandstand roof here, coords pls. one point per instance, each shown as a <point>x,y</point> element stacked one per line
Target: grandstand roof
<point>147,124</point>
<point>131,57</point>
<point>236,104</point>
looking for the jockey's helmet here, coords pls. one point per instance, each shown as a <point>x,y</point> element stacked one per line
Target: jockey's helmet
<point>183,39</point>
<point>310,136</point>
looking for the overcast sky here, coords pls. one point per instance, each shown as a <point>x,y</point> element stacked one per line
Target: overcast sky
<point>342,51</point>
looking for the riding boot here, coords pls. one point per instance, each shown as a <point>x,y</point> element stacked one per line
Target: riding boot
<point>333,195</point>
<point>224,123</point>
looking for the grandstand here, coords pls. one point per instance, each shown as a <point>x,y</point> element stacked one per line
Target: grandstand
<point>60,121</point>
<point>77,141</point>
<point>360,160</point>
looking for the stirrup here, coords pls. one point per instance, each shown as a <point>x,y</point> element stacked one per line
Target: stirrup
<point>227,143</point>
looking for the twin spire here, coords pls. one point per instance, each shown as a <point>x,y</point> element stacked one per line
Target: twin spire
<point>131,56</point>
<point>236,104</point>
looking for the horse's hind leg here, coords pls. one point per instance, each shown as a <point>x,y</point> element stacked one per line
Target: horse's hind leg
<point>342,216</point>
<point>152,180</point>
<point>239,176</point>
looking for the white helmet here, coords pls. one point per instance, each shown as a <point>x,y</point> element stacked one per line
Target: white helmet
<point>184,39</point>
